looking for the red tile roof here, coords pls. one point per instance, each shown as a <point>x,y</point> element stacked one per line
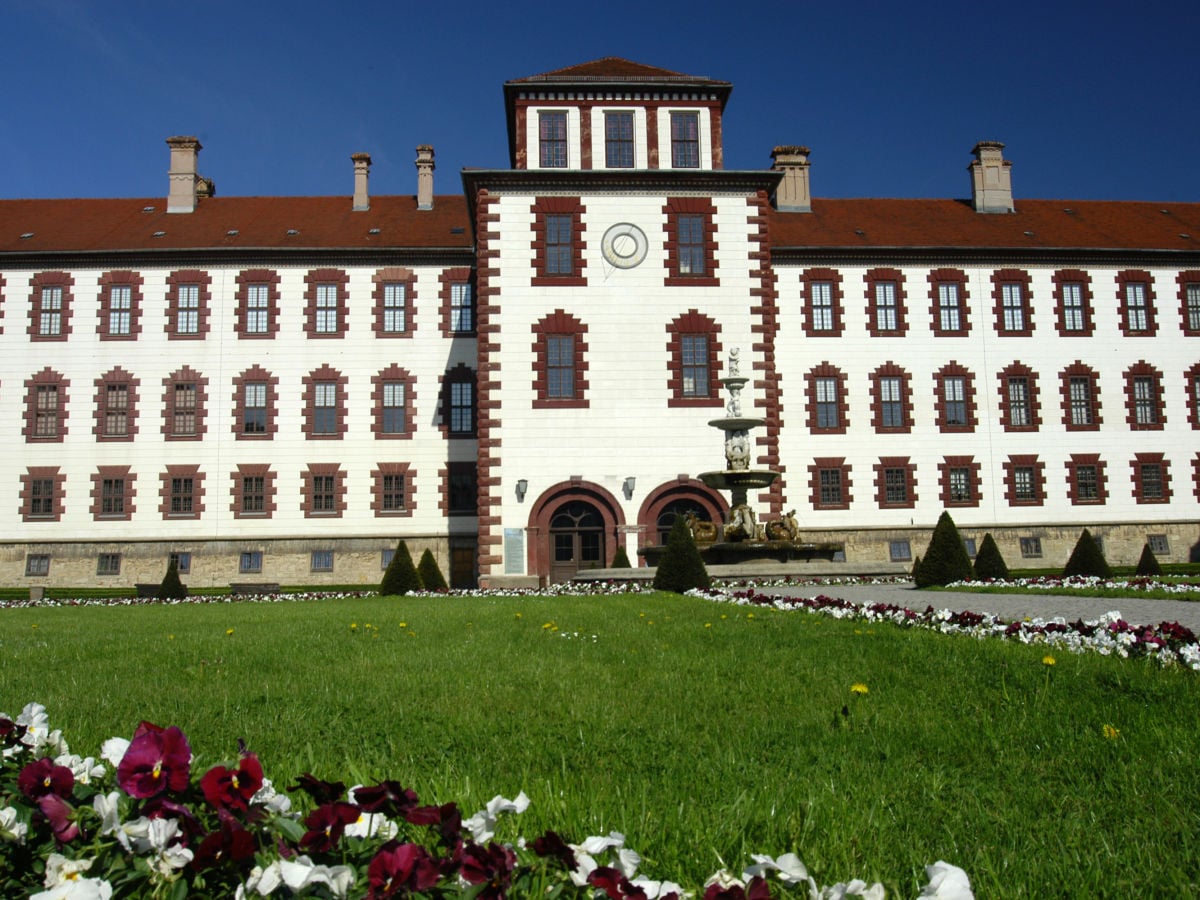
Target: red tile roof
<point>614,68</point>
<point>231,223</point>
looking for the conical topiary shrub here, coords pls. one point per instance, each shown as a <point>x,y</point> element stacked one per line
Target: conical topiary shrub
<point>989,564</point>
<point>401,575</point>
<point>172,588</point>
<point>621,559</point>
<point>681,567</point>
<point>1087,559</point>
<point>916,570</point>
<point>431,575</point>
<point>946,559</point>
<point>1148,566</point>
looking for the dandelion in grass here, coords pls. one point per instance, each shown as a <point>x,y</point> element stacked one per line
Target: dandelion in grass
<point>859,688</point>
<point>708,624</point>
<point>353,627</point>
<point>1110,733</point>
<point>1049,660</point>
<point>228,632</point>
<point>403,624</point>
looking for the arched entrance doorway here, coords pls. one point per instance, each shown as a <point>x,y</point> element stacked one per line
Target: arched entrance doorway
<point>671,501</point>
<point>576,540</point>
<point>573,527</point>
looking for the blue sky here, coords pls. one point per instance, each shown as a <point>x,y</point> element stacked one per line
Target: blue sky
<point>1094,100</point>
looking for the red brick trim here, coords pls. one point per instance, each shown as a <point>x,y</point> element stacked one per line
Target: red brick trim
<point>399,276</point>
<point>45,378</point>
<point>108,281</point>
<point>691,323</point>
<point>1024,461</point>
<point>713,504</point>
<point>1019,370</point>
<point>244,279</point>
<point>1141,460</point>
<point>1075,371</point>
<point>895,464</point>
<point>585,136</point>
<point>1196,476</point>
<point>460,374</point>
<point>385,469</point>
<point>310,494</point>
<point>1000,278</point>
<point>829,464</point>
<point>393,374</point>
<point>116,377</point>
<point>1061,278</point>
<point>254,471</point>
<point>958,278</point>
<point>559,323</point>
<point>877,314</point>
<point>186,375</point>
<point>324,375</point>
<point>1143,369</point>
<point>891,370</point>
<point>57,496</point>
<point>338,279</point>
<point>706,210</point>
<point>176,280</point>
<point>1073,465</point>
<point>833,278</point>
<point>254,375</point>
<point>122,478</point>
<point>826,370</point>
<point>488,455</point>
<point>196,495</point>
<point>37,283</point>
<point>975,495</point>
<point>1191,384</point>
<point>767,383</point>
<point>953,370</point>
<point>1124,280</point>
<point>652,149</point>
<point>558,206</point>
<point>448,278</point>
<point>1189,323</point>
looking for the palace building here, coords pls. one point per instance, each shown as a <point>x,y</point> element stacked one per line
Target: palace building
<point>519,375</point>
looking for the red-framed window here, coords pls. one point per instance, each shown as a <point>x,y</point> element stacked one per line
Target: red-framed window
<point>42,494</point>
<point>458,403</point>
<point>253,491</point>
<point>1189,301</point>
<point>891,400</point>
<point>822,289</point>
<point>954,398</point>
<point>1024,480</point>
<point>1087,482</point>
<point>116,406</point>
<point>46,407</point>
<point>1020,406</point>
<point>189,301</point>
<point>395,299</point>
<point>1080,398</point>
<point>559,362</point>
<point>830,483</point>
<point>326,303</point>
<point>1012,295</point>
<point>691,241</point>
<point>693,351</point>
<point>120,306</point>
<point>457,297</point>
<point>113,493</point>
<point>257,298</point>
<point>185,405</point>
<point>392,492</point>
<point>895,483</point>
<point>255,405</point>
<point>50,306</point>
<point>1073,303</point>
<point>1151,478</point>
<point>1144,398</point>
<point>324,491</point>
<point>887,311</point>
<point>826,403</point>
<point>959,480</point>
<point>948,308</point>
<point>1191,383</point>
<point>1135,295</point>
<point>325,404</point>
<point>181,492</point>
<point>394,404</point>
<point>558,242</point>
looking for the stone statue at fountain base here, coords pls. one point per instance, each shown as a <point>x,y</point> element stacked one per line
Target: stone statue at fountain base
<point>741,526</point>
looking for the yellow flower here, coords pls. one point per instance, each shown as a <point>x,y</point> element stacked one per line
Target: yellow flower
<point>708,624</point>
<point>859,688</point>
<point>1110,732</point>
<point>34,626</point>
<point>228,631</point>
<point>518,615</point>
<point>1048,660</point>
<point>354,626</point>
<point>749,615</point>
<point>547,626</point>
<point>170,637</point>
<point>403,624</point>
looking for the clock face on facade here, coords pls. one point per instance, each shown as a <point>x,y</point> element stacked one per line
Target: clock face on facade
<point>624,245</point>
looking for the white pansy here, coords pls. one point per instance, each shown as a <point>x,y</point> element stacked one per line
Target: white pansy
<point>627,861</point>
<point>947,882</point>
<point>108,808</point>
<point>482,825</point>
<point>656,889</point>
<point>791,870</point>
<point>60,870</point>
<point>724,879</point>
<point>300,874</point>
<point>600,843</point>
<point>113,750</point>
<point>271,800</point>
<point>79,889</point>
<point>855,888</point>
<point>37,725</point>
<point>85,769</point>
<point>10,828</point>
<point>369,825</point>
<point>586,852</point>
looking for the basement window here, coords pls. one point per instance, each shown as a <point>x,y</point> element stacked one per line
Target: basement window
<point>1031,547</point>
<point>900,551</point>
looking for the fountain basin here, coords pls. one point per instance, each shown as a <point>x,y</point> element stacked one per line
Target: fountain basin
<point>738,479</point>
<point>737,423</point>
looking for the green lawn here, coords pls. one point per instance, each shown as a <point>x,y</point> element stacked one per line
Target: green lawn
<point>704,732</point>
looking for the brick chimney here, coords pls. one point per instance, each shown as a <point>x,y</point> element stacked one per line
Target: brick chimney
<point>991,179</point>
<point>362,168</point>
<point>794,193</point>
<point>182,177</point>
<point>424,177</point>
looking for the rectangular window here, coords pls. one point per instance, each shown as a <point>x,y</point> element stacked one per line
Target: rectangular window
<point>182,560</point>
<point>394,409</point>
<point>899,551</point>
<point>1081,401</point>
<point>969,546</point>
<point>690,244</point>
<point>254,408</point>
<point>395,308</point>
<point>685,140</point>
<point>1031,547</point>
<point>895,485</point>
<point>1145,401</point>
<point>1024,484</point>
<point>41,498</point>
<point>828,403</point>
<point>1087,484</point>
<point>618,140</point>
<point>1013,301</point>
<point>321,561</point>
<point>1152,481</point>
<point>393,493</point>
<point>108,564</point>
<point>325,411</point>
<point>831,487</point>
<point>50,318</point>
<point>822,305</point>
<point>120,307</point>
<point>949,312</point>
<point>462,310</point>
<point>112,497</point>
<point>46,415</point>
<point>560,366</point>
<point>1158,544</point>
<point>257,311</point>
<point>1018,403</point>
<point>37,564</point>
<point>1193,307</point>
<point>552,140</point>
<point>324,494</point>
<point>1136,311</point>
<point>954,400</point>
<point>251,562</point>
<point>886,318</point>
<point>1074,318</point>
<point>462,407</point>
<point>462,489</point>
<point>960,484</point>
<point>182,496</point>
<point>254,495</point>
<point>559,244</point>
<point>694,350</point>
<point>183,420</point>
<point>385,558</point>
<point>188,319</point>
<point>327,309</point>
<point>891,402</point>
<point>116,410</point>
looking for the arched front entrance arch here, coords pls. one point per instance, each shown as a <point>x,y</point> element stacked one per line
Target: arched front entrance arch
<point>573,526</point>
<point>669,501</point>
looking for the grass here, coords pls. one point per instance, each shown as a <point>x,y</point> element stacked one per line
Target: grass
<point>703,732</point>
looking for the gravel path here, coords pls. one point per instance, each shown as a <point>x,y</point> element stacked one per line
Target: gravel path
<point>1134,610</point>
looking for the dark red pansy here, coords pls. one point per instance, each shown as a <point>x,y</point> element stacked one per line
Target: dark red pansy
<point>326,824</point>
<point>231,842</point>
<point>550,844</point>
<point>616,885</point>
<point>401,869</point>
<point>158,759</point>
<point>490,866</point>
<point>388,798</point>
<point>447,819</point>
<point>233,788</point>
<point>42,777</point>
<point>321,791</point>
<point>60,816</point>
